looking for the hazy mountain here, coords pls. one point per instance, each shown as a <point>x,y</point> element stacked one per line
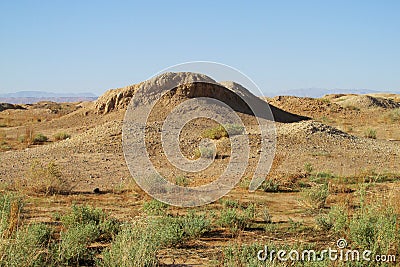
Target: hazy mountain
<point>41,94</point>
<point>320,92</point>
<point>29,97</point>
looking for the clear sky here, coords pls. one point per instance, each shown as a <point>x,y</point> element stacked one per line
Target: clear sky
<point>92,46</point>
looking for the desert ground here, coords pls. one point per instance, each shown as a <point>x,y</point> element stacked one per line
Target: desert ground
<point>68,199</point>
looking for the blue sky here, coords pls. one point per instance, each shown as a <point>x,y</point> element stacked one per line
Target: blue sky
<point>92,46</point>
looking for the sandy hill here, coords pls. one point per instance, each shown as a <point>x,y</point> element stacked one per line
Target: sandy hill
<point>93,156</point>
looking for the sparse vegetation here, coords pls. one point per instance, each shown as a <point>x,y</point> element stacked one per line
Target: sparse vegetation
<point>370,133</point>
<point>270,185</point>
<point>72,248</point>
<point>308,168</point>
<point>45,222</point>
<point>352,107</point>
<point>240,255</point>
<point>266,216</point>
<point>372,227</point>
<point>155,207</point>
<point>315,197</point>
<point>10,210</point>
<point>22,138</point>
<point>182,181</point>
<point>61,136</point>
<point>394,115</point>
<point>45,179</point>
<point>138,244</point>
<point>321,177</point>
<point>221,131</point>
<point>205,152</point>
<point>39,139</point>
<point>229,203</point>
<point>135,245</point>
<point>236,219</point>
<point>27,247</point>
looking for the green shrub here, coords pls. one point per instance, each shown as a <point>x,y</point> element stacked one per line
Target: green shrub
<point>229,203</point>
<point>321,177</point>
<point>138,244</point>
<point>236,219</point>
<point>234,129</point>
<point>308,168</point>
<point>182,181</point>
<point>175,230</point>
<point>21,138</point>
<point>109,228</point>
<point>221,131</point>
<point>315,197</point>
<point>82,215</point>
<point>168,231</point>
<point>335,220</point>
<point>370,133</point>
<point>28,247</point>
<point>155,207</point>
<point>73,247</point>
<point>371,227</point>
<point>195,225</point>
<point>375,229</point>
<point>205,152</point>
<point>241,255</point>
<point>135,245</point>
<point>270,185</point>
<point>39,139</point>
<point>5,147</point>
<point>61,136</point>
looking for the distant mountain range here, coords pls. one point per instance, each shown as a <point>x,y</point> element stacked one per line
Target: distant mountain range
<point>320,92</point>
<point>29,97</point>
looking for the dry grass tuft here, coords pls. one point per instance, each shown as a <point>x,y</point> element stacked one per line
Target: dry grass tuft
<point>45,179</point>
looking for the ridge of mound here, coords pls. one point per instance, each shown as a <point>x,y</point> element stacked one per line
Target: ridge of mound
<point>4,106</point>
<point>306,106</point>
<point>191,85</point>
<point>117,99</point>
<point>367,101</point>
<point>313,127</point>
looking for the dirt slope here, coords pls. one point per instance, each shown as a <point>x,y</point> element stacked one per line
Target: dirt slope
<point>93,156</point>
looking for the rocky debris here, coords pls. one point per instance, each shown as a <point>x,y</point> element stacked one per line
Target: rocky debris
<point>4,106</point>
<point>366,101</point>
<point>309,128</point>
